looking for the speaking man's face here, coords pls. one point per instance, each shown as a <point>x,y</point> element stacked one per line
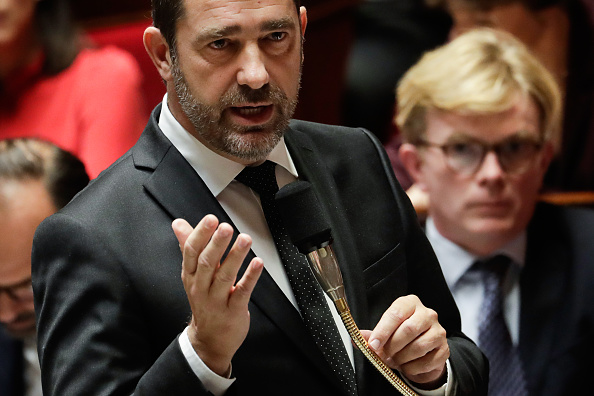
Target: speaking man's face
<point>236,72</point>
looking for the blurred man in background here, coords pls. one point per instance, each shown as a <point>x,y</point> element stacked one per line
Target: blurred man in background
<point>478,118</point>
<point>36,179</point>
<point>560,33</point>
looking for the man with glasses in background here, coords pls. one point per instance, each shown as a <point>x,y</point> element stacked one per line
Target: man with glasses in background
<point>36,179</point>
<point>478,118</point>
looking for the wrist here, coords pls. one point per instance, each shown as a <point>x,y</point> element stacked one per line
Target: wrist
<point>216,362</point>
<point>433,384</point>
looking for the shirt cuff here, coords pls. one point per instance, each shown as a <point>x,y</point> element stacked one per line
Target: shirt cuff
<point>213,382</point>
<point>444,390</point>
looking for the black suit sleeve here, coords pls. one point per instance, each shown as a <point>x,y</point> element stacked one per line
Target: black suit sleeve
<point>91,324</point>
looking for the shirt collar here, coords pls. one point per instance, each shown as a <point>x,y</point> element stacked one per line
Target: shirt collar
<point>215,170</point>
<point>455,261</point>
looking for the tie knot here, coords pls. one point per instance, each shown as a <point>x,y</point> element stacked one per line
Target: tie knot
<point>496,266</point>
<point>261,178</point>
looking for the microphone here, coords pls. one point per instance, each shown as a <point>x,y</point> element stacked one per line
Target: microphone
<point>309,230</point>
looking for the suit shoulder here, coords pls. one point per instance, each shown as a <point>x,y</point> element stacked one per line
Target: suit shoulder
<point>114,189</point>
<point>571,215</point>
<point>338,137</point>
<point>574,225</point>
<point>314,129</point>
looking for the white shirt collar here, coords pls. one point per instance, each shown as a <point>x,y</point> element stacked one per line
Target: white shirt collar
<point>215,170</point>
<point>455,261</point>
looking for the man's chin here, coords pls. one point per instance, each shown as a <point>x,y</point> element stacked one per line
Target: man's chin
<point>252,144</point>
<point>19,331</point>
<point>251,153</point>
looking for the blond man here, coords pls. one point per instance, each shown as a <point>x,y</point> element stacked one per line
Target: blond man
<point>561,35</point>
<point>479,116</point>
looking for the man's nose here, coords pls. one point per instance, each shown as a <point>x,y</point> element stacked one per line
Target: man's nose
<point>252,71</point>
<point>490,168</point>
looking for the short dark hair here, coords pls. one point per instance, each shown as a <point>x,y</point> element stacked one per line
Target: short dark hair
<point>58,33</point>
<point>166,13</point>
<point>62,173</point>
<point>488,4</point>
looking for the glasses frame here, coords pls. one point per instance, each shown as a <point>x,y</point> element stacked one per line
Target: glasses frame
<point>496,148</point>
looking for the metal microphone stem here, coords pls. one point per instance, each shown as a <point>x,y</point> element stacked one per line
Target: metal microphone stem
<point>325,268</point>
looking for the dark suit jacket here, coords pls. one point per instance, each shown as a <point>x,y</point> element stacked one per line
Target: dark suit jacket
<point>110,301</point>
<point>11,366</point>
<point>557,302</point>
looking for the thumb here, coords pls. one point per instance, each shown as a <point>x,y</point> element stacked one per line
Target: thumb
<point>365,334</point>
<point>182,230</point>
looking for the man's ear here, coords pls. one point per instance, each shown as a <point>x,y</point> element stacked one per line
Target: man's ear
<point>303,18</point>
<point>158,50</point>
<point>412,160</point>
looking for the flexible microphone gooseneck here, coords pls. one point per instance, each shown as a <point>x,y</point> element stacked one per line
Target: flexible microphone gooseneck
<point>310,232</point>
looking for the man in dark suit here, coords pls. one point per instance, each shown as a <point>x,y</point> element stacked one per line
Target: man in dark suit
<point>114,317</point>
<point>479,116</point>
<point>36,178</point>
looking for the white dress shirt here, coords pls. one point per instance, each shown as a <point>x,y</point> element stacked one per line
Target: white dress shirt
<point>468,289</point>
<point>32,370</point>
<point>244,209</point>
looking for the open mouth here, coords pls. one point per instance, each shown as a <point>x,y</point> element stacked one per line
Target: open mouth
<point>252,115</point>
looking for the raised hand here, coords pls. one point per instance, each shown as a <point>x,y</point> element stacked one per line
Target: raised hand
<point>220,316</point>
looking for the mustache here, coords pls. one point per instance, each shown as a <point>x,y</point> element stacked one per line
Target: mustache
<point>242,93</point>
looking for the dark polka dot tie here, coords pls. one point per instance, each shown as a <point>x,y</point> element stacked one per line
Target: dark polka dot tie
<point>310,299</point>
<point>506,375</point>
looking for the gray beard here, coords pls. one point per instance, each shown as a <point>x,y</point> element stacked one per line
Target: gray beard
<point>212,126</point>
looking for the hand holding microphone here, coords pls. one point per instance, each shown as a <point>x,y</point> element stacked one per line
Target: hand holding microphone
<point>425,351</point>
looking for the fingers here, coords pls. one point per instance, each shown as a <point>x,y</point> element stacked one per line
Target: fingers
<point>409,338</point>
<point>226,275</point>
<point>193,241</point>
<point>182,230</point>
<point>429,367</point>
<point>400,310</point>
<point>203,248</point>
<point>244,288</point>
<point>426,341</point>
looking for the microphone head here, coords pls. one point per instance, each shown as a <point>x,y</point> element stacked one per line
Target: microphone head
<point>303,216</point>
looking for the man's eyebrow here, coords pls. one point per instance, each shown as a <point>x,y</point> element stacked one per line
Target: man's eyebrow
<point>461,137</point>
<point>278,24</point>
<point>215,33</point>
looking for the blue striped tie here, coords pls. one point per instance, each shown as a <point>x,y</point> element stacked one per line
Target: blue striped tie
<point>506,376</point>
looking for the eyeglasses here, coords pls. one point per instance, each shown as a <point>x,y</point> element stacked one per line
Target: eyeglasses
<point>515,155</point>
<point>18,292</point>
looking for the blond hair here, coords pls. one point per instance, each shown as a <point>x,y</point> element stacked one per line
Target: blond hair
<point>480,72</point>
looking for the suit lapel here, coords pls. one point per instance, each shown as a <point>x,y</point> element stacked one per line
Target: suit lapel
<point>183,194</point>
<point>311,168</point>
